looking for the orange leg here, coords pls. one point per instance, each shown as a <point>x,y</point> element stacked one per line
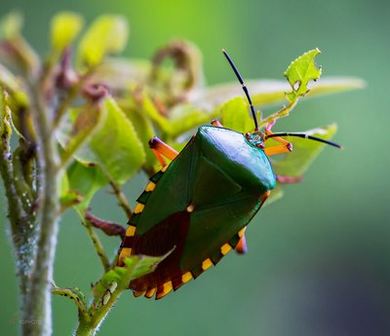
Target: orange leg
<point>242,246</point>
<point>285,179</point>
<point>161,150</point>
<point>216,123</point>
<point>274,150</point>
<point>284,146</point>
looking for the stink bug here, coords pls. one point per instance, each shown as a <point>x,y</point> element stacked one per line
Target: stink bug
<point>198,205</point>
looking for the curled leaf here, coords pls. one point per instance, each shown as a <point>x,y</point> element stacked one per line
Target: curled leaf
<point>300,72</point>
<point>83,182</point>
<point>134,267</point>
<point>107,34</point>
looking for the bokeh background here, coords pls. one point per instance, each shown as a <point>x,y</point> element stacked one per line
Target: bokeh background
<point>319,259</point>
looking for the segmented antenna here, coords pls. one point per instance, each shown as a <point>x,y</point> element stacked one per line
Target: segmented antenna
<point>304,136</point>
<point>243,87</point>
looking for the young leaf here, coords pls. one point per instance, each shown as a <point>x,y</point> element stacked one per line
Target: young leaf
<point>300,72</point>
<point>235,115</point>
<point>304,152</point>
<point>135,267</point>
<point>83,181</point>
<point>144,129</point>
<point>107,34</point>
<point>65,26</point>
<point>120,73</point>
<point>115,146</point>
<point>11,25</point>
<point>186,117</point>
<point>266,92</point>
<point>75,134</point>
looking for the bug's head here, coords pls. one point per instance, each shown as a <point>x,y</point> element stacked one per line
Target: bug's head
<point>256,138</point>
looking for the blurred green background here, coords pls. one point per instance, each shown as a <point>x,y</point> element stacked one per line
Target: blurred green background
<point>319,259</point>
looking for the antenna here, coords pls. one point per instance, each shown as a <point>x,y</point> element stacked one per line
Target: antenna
<point>243,87</point>
<point>304,136</point>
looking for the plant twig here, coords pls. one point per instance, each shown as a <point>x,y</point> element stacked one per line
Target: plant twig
<point>283,112</point>
<point>122,200</point>
<point>109,228</point>
<point>97,244</point>
<point>87,327</point>
<point>73,295</point>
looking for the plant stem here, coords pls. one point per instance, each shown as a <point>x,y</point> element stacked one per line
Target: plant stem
<point>283,112</point>
<point>97,244</point>
<point>122,200</point>
<point>71,293</point>
<point>87,327</point>
<point>38,303</point>
<point>22,228</point>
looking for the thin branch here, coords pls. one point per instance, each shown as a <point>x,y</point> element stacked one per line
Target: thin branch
<point>109,228</point>
<point>122,200</point>
<point>283,112</point>
<point>73,295</point>
<point>97,244</point>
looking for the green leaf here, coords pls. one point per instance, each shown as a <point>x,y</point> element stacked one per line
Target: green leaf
<point>145,131</point>
<point>120,74</point>
<point>304,152</point>
<point>182,118</point>
<point>135,267</point>
<point>300,72</point>
<point>268,92</point>
<point>75,134</point>
<point>330,85</point>
<point>83,181</point>
<point>74,294</point>
<point>115,146</point>
<point>186,117</point>
<point>107,34</point>
<point>65,26</point>
<point>151,111</point>
<point>102,135</point>
<point>235,115</point>
<point>11,25</point>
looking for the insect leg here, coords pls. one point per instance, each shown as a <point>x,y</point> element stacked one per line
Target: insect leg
<point>268,131</point>
<point>161,150</point>
<point>242,246</point>
<point>284,146</point>
<point>284,179</point>
<point>216,123</point>
<point>274,150</point>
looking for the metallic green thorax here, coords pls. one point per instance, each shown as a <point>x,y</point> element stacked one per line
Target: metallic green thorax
<point>223,177</point>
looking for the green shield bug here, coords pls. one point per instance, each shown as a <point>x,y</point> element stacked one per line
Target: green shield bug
<point>198,205</point>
